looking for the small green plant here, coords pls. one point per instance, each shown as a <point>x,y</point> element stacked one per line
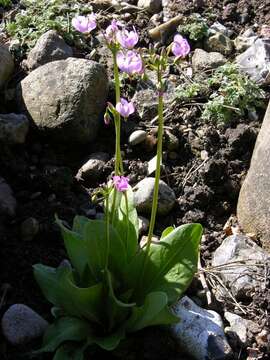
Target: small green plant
<point>190,91</point>
<point>195,27</point>
<point>113,286</point>
<point>5,3</point>
<point>234,94</point>
<point>40,16</point>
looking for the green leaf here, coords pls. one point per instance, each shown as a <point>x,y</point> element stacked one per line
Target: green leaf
<point>111,341</point>
<point>75,244</point>
<point>170,265</point>
<point>154,311</point>
<point>58,287</point>
<point>65,329</point>
<point>167,231</point>
<point>124,219</point>
<point>95,235</point>
<point>70,352</point>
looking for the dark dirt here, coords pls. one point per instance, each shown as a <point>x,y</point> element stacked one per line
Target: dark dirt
<point>42,176</point>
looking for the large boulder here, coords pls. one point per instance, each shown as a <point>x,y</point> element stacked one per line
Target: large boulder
<point>66,97</point>
<point>6,65</point>
<point>253,209</point>
<point>49,47</point>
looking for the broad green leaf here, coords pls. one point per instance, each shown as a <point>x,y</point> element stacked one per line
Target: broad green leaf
<point>70,352</point>
<point>154,311</point>
<point>65,329</point>
<point>121,205</point>
<point>111,341</point>
<point>166,231</point>
<point>116,310</point>
<point>58,287</point>
<point>169,266</point>
<point>95,235</point>
<point>79,223</point>
<point>75,244</point>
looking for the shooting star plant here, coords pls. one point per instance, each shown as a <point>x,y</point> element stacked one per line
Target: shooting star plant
<point>113,287</point>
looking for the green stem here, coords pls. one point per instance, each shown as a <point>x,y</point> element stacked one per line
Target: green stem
<point>117,120</point>
<point>127,218</point>
<point>107,214</point>
<point>158,166</point>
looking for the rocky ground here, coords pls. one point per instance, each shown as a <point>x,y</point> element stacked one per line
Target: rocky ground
<point>49,168</point>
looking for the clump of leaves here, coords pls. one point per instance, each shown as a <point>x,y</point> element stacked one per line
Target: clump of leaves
<point>113,287</point>
<point>194,27</point>
<point>234,94</point>
<point>191,91</point>
<point>5,3</point>
<point>40,16</point>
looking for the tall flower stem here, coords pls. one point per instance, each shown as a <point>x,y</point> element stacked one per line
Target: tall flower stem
<point>158,164</point>
<point>117,121</point>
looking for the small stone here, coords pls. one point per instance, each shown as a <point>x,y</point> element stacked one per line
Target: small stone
<point>244,18</point>
<point>6,65</point>
<point>238,325</point>
<point>243,42</point>
<point>243,277</point>
<point>8,202</point>
<point>255,61</point>
<point>29,228</point>
<point>172,141</point>
<point>94,167</point>
<point>200,332</point>
<point>219,43</point>
<point>217,27</point>
<point>13,128</point>
<point>152,6</point>
<point>265,31</point>
<point>137,137</point>
<point>202,60</point>
<point>20,324</point>
<point>49,47</point>
<point>144,239</point>
<point>143,224</point>
<point>143,196</point>
<point>204,155</point>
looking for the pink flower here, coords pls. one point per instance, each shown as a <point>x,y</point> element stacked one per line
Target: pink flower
<point>129,62</point>
<point>111,30</point>
<point>107,119</point>
<point>180,46</point>
<point>120,183</point>
<point>125,108</point>
<point>127,39</point>
<point>84,24</point>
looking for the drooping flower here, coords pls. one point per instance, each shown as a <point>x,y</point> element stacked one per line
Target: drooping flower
<point>111,30</point>
<point>125,108</point>
<point>120,183</point>
<point>84,24</point>
<point>127,39</point>
<point>107,118</point>
<point>180,46</point>
<point>129,62</point>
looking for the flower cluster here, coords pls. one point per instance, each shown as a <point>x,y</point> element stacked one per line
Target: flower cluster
<point>120,183</point>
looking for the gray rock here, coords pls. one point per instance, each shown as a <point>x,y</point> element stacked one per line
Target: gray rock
<point>145,98</point>
<point>49,47</point>
<point>253,209</point>
<point>220,43</point>
<point>29,228</point>
<point>66,98</point>
<point>242,42</point>
<point>6,65</point>
<point>152,6</point>
<point>20,324</point>
<point>143,224</point>
<point>217,27</point>
<point>137,137</point>
<point>202,60</point>
<point>143,196</point>
<point>239,256</point>
<point>13,128</point>
<point>238,326</point>
<point>255,61</point>
<point>93,168</point>
<point>8,202</point>
<point>200,332</point>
